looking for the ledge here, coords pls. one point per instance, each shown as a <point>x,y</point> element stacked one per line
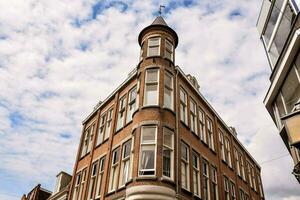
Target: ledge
<point>146,178</point>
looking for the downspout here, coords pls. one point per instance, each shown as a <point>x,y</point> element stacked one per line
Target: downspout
<point>177,135</point>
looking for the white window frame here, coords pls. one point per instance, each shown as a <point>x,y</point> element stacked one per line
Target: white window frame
<point>237,162</point>
<point>100,177</point>
<point>214,180</point>
<point>151,83</point>
<point>183,104</point>
<point>121,112</point>
<point>210,130</point>
<point>101,129</point>
<point>202,122</point>
<point>193,116</point>
<point>170,88</point>
<point>153,46</point>
<point>126,161</point>
<point>242,167</point>
<point>93,178</point>
<point>154,143</point>
<point>171,149</point>
<point>108,123</point>
<point>232,189</point>
<point>205,179</point>
<point>228,152</point>
<point>114,171</point>
<point>222,146</point>
<point>171,51</point>
<point>226,188</point>
<point>185,163</point>
<point>132,104</point>
<point>196,174</point>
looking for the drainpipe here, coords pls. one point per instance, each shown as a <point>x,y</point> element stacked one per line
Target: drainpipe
<point>177,134</point>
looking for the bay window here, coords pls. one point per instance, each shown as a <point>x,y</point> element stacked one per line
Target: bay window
<point>100,176</point>
<point>168,153</point>
<point>153,46</point>
<point>185,171</point>
<point>169,50</point>
<point>196,174</point>
<point>210,134</point>
<point>168,91</point>
<point>126,162</point>
<point>205,172</point>
<point>193,116</point>
<point>108,123</point>
<point>132,103</point>
<point>151,87</point>
<point>114,170</point>
<point>101,129</point>
<point>183,106</point>
<point>202,125</point>
<point>214,183</point>
<point>121,113</point>
<point>92,180</point>
<point>148,151</point>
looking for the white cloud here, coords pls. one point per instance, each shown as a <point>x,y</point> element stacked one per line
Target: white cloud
<point>53,84</point>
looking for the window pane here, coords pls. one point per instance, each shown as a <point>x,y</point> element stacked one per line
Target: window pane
<point>148,134</point>
<point>115,156</point>
<point>167,162</point>
<point>152,75</point>
<point>182,96</point>
<point>291,90</point>
<point>168,98</point>
<point>147,157</point>
<point>280,106</point>
<point>154,41</point>
<point>184,152</point>
<point>168,80</point>
<point>153,51</point>
<point>169,45</point>
<point>127,149</point>
<point>272,20</point>
<point>168,138</point>
<point>151,95</point>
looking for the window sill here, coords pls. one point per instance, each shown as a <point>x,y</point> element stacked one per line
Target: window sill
<point>169,109</point>
<point>152,57</point>
<point>195,134</point>
<point>136,110</point>
<point>185,125</point>
<point>213,151</point>
<point>98,145</point>
<point>204,143</point>
<point>168,59</point>
<point>167,180</point>
<point>110,193</point>
<point>150,106</point>
<point>186,191</point>
<point>128,123</point>
<point>147,178</point>
<point>121,188</point>
<point>197,197</point>
<point>84,156</point>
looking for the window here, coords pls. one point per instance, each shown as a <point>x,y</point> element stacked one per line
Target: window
<point>77,186</point>
<point>185,172</point>
<point>183,110</point>
<point>87,143</point>
<point>168,153</point>
<point>210,134</point>
<point>205,171</point>
<point>202,125</point>
<point>242,167</point>
<point>100,176</point>
<point>126,162</point>
<point>132,103</point>
<point>196,174</point>
<point>122,105</point>
<point>168,91</point>
<point>114,170</point>
<point>221,140</point>
<point>249,174</point>
<point>93,180</point>
<point>82,184</point>
<point>148,151</point>
<point>253,178</point>
<point>228,152</point>
<point>153,46</point>
<point>169,50</point>
<point>142,51</point>
<point>232,188</point>
<point>108,124</point>
<point>214,183</point>
<point>226,188</point>
<point>237,162</point>
<point>151,87</point>
<point>193,116</point>
<point>243,195</point>
<point>291,90</point>
<point>260,186</point>
<point>101,129</point>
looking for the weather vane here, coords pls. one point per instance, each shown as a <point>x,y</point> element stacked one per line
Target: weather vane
<point>160,9</point>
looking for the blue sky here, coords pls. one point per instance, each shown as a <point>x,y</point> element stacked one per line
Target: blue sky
<point>57,59</point>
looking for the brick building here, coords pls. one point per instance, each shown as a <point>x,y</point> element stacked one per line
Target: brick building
<point>37,193</point>
<point>279,30</point>
<point>157,137</point>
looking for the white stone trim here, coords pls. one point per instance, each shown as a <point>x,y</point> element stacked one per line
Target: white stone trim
<point>150,192</point>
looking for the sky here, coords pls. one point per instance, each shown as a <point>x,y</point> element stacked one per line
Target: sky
<point>59,58</point>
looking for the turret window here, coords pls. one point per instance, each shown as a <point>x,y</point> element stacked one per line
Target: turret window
<point>153,46</point>
<point>169,50</point>
<point>151,87</point>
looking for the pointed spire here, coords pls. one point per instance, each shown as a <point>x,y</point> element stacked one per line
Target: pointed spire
<point>159,21</point>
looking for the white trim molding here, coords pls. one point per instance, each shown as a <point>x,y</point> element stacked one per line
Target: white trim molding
<point>150,192</point>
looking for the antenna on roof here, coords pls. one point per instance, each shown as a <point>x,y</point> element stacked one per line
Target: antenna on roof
<point>160,9</point>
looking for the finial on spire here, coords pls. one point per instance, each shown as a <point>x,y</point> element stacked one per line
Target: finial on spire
<point>160,9</point>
